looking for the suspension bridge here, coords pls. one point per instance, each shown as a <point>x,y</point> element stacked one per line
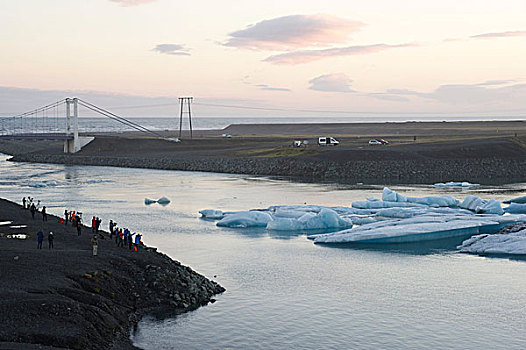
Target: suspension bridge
<point>46,123</point>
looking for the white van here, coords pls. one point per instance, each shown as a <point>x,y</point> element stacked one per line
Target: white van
<point>328,141</point>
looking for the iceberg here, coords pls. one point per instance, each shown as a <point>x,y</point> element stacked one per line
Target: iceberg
<point>420,228</point>
<point>325,219</point>
<point>455,184</point>
<point>389,195</point>
<point>513,243</point>
<point>520,200</point>
<point>245,219</point>
<point>490,207</point>
<point>516,208</point>
<point>212,213</point>
<point>381,204</point>
<point>481,206</point>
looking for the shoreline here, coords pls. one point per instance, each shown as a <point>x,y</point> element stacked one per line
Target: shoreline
<point>485,171</point>
<point>67,298</point>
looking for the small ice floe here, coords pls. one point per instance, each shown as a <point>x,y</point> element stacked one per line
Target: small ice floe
<point>325,219</point>
<point>172,139</point>
<point>520,200</point>
<point>38,185</point>
<point>212,214</point>
<point>455,184</point>
<point>245,219</point>
<point>516,208</point>
<point>513,243</point>
<point>163,201</point>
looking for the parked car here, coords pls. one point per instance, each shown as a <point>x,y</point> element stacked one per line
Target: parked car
<point>328,141</point>
<point>378,142</point>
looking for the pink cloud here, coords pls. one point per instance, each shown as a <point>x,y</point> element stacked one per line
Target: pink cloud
<point>499,35</point>
<point>306,56</point>
<point>132,2</point>
<point>295,31</point>
<point>336,82</point>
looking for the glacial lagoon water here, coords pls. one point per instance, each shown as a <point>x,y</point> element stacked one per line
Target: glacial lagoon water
<point>283,291</point>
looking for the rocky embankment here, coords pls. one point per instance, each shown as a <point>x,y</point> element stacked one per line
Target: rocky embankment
<point>413,171</point>
<point>67,298</point>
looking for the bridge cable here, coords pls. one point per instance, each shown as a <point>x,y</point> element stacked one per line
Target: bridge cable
<point>115,117</point>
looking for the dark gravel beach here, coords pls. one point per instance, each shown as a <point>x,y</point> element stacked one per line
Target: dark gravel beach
<point>67,298</point>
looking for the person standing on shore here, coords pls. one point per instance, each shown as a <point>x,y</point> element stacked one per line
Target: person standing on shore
<point>137,242</point>
<point>97,224</point>
<point>24,202</point>
<point>79,228</point>
<point>111,229</point>
<point>40,238</point>
<point>66,215</point>
<point>95,244</point>
<point>33,210</point>
<point>93,224</point>
<point>121,238</point>
<point>44,214</point>
<point>50,238</point>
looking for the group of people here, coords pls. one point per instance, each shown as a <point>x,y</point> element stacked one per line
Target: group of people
<point>75,218</point>
<point>34,208</point>
<point>40,239</point>
<point>124,237</point>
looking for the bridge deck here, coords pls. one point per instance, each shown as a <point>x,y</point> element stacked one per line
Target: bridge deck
<point>43,136</point>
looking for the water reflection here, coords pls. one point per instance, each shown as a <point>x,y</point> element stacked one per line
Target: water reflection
<point>441,246</point>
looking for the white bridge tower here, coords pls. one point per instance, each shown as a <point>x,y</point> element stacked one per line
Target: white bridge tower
<point>72,120</point>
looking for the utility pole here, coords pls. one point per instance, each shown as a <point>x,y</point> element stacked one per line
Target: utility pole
<point>182,102</point>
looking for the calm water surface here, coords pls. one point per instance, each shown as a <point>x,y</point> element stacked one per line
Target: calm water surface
<point>284,292</point>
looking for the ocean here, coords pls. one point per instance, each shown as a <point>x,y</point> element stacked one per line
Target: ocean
<point>49,123</point>
<point>283,291</point>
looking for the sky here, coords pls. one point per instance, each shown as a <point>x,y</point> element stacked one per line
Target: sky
<point>375,56</point>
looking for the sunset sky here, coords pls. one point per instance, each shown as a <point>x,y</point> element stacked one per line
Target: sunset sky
<point>406,56</point>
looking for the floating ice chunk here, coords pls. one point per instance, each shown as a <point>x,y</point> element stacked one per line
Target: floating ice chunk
<point>38,185</point>
<point>148,201</point>
<point>481,206</point>
<point>163,200</point>
<point>392,196</point>
<point>359,220</point>
<point>520,200</point>
<point>325,219</point>
<point>490,207</point>
<point>212,214</point>
<point>455,184</point>
<point>389,195</point>
<point>288,213</point>
<point>509,243</point>
<point>246,219</point>
<point>435,201</point>
<point>516,208</point>
<point>381,204</point>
